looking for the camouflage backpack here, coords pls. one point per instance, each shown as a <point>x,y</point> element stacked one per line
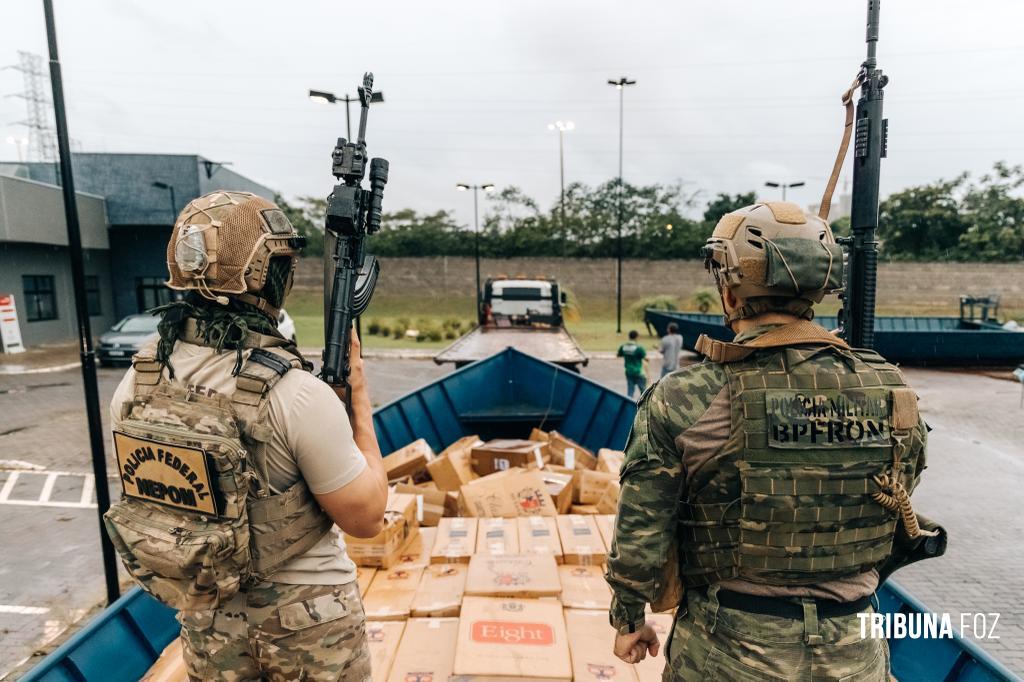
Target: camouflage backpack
<point>197,520</point>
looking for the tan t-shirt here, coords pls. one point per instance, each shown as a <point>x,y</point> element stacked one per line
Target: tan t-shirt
<point>312,439</point>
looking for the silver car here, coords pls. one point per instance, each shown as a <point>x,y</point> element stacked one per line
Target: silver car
<point>125,338</point>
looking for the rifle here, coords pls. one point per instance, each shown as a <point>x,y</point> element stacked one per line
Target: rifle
<point>857,317</point>
<point>353,213</point>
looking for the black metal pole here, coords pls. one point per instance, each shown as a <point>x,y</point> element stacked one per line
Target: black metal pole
<point>618,266</point>
<point>348,118</point>
<point>92,397</point>
<point>174,205</point>
<point>476,240</point>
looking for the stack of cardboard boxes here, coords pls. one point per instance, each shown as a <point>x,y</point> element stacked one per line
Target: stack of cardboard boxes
<point>509,584</point>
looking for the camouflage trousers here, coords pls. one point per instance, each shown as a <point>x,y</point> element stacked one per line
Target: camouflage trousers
<point>710,642</point>
<point>274,631</point>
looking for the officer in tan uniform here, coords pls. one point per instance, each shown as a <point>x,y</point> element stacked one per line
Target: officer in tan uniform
<point>239,465</point>
<point>766,490</point>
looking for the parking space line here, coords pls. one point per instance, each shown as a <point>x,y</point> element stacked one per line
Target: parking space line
<point>87,487</point>
<point>44,494</point>
<point>5,492</point>
<point>23,610</point>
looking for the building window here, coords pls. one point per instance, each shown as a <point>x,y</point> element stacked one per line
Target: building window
<point>151,292</point>
<point>92,295</point>
<point>40,297</point>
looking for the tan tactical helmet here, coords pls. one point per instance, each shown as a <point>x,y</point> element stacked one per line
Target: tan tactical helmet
<point>774,257</point>
<point>222,245</point>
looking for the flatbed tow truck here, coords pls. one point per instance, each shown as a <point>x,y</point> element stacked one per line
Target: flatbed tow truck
<point>520,313</point>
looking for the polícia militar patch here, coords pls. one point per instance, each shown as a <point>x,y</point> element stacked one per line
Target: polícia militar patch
<point>174,475</point>
<point>828,418</point>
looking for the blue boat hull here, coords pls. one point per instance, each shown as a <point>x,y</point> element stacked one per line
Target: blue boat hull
<point>908,340</point>
<point>508,394</point>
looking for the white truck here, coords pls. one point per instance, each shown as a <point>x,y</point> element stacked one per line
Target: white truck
<point>525,314</point>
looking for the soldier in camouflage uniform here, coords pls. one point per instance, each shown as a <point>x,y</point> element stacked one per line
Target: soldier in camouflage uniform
<point>259,573</point>
<point>765,491</point>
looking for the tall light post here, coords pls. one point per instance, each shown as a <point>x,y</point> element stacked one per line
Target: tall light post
<point>561,127</point>
<point>174,204</point>
<point>330,98</point>
<point>620,85</point>
<point>487,187</point>
<point>785,186</point>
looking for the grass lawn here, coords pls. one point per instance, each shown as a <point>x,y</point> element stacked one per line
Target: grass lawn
<point>594,330</point>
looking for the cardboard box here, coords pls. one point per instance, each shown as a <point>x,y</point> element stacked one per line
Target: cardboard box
<point>560,488</point>
<point>581,541</point>
<point>609,502</point>
<point>517,575</point>
<point>584,587</point>
<point>456,541</point>
<point>384,549</point>
<point>440,590</point>
<point>516,492</point>
<point>364,576</point>
<point>391,593</point>
<point>590,638</point>
<point>569,453</point>
<point>497,536</point>
<point>170,667</point>
<point>383,638</point>
<point>427,651</point>
<point>606,526</point>
<point>429,503</point>
<point>539,535</point>
<point>588,509</point>
<point>610,461</point>
<point>512,639</point>
<point>504,454</point>
<point>450,470</point>
<point>538,435</point>
<point>408,461</point>
<point>593,485</point>
<point>650,669</point>
<point>417,551</point>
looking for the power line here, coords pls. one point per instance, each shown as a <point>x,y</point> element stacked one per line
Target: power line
<point>42,142</point>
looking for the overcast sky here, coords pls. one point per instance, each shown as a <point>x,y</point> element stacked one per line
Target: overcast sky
<point>730,93</point>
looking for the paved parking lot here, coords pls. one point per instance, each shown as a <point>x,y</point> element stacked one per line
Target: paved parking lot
<point>50,569</point>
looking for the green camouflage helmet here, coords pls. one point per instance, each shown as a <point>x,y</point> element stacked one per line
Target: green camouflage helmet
<point>773,256</point>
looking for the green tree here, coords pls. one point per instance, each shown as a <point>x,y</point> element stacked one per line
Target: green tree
<point>726,203</point>
<point>995,217</point>
<point>923,223</point>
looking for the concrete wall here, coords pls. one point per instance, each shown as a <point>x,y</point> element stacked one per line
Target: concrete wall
<point>899,284</point>
<point>38,259</point>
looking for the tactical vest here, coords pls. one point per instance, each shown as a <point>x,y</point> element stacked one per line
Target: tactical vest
<point>790,499</point>
<point>197,520</point>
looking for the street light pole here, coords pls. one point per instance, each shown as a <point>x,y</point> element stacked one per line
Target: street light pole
<point>174,204</point>
<point>97,437</point>
<point>487,187</point>
<point>620,85</point>
<point>784,186</point>
<point>561,127</point>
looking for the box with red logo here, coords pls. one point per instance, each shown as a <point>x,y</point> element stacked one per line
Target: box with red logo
<point>584,587</point>
<point>539,535</point>
<point>391,593</point>
<point>440,590</point>
<point>427,651</point>
<point>511,639</point>
<point>516,492</point>
<point>590,639</point>
<point>383,637</point>
<point>519,575</point>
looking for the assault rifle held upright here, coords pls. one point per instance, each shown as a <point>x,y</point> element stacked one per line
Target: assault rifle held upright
<point>857,318</point>
<point>353,213</point>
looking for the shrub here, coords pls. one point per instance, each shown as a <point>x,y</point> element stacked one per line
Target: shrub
<point>451,334</point>
<point>661,302</point>
<point>704,299</point>
<point>385,330</point>
<point>373,328</point>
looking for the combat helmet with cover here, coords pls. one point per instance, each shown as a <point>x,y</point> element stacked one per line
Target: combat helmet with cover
<point>198,518</point>
<point>774,258</point>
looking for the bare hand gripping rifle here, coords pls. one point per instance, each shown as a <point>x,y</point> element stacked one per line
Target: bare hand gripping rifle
<point>353,213</point>
<point>857,318</point>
